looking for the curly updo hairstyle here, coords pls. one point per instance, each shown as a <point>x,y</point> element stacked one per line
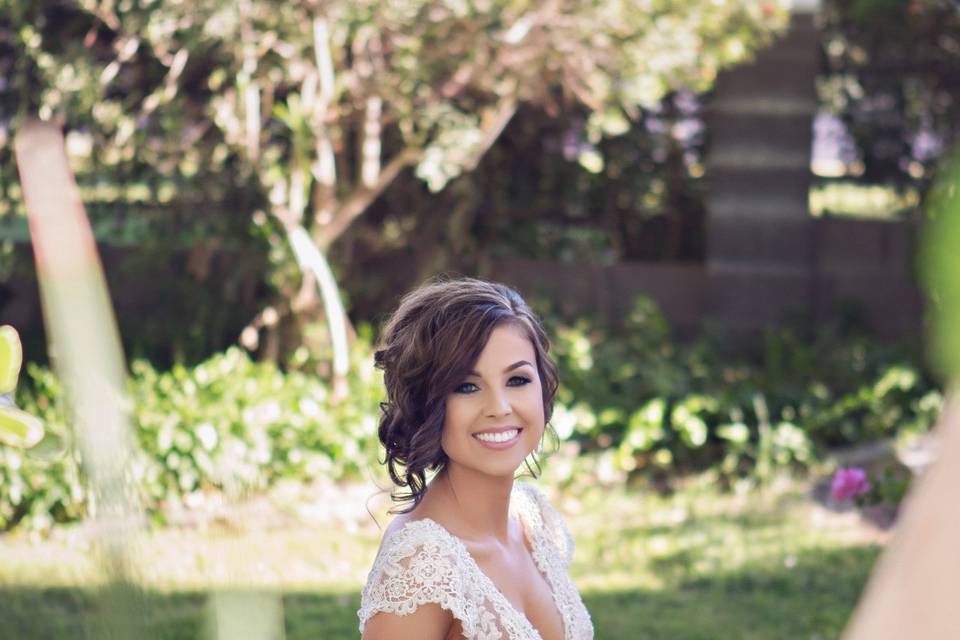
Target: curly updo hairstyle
<point>427,348</point>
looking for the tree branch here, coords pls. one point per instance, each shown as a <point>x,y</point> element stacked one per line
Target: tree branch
<point>325,164</point>
<point>370,143</point>
<point>493,122</point>
<point>362,198</point>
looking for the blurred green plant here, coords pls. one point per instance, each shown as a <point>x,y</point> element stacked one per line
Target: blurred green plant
<point>940,269</point>
<point>228,424</point>
<point>888,487</point>
<point>664,405</point>
<point>17,428</point>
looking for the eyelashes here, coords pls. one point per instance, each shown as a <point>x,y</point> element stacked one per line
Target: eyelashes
<point>515,381</point>
<point>521,380</point>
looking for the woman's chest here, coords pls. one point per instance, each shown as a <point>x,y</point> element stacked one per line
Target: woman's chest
<point>518,579</point>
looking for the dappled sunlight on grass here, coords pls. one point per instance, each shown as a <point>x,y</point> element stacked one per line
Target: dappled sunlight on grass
<point>260,543</point>
<point>648,541</point>
<point>812,600</point>
<point>191,559</point>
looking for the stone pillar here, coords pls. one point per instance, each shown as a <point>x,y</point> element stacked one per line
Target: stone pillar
<point>759,230</point>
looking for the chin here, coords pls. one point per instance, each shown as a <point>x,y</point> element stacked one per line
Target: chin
<point>507,470</point>
<point>502,469</point>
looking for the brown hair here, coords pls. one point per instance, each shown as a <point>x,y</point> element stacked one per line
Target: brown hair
<point>427,348</point>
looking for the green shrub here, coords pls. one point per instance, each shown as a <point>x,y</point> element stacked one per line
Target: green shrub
<point>41,485</point>
<point>228,424</point>
<point>233,424</point>
<point>689,406</point>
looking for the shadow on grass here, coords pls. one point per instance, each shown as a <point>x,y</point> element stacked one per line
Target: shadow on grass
<point>699,544</point>
<point>38,613</point>
<point>810,599</point>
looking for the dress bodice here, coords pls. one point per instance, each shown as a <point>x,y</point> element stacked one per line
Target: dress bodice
<point>422,562</point>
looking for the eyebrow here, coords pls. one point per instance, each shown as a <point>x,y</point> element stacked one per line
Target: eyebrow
<point>515,365</point>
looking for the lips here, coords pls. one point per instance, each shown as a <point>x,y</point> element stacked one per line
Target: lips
<point>499,437</point>
<point>499,429</point>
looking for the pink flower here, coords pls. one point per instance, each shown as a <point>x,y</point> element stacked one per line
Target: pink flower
<point>849,482</point>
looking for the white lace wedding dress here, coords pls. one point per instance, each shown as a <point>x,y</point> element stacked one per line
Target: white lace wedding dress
<point>424,563</point>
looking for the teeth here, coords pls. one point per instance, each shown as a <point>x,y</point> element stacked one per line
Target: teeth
<point>503,436</point>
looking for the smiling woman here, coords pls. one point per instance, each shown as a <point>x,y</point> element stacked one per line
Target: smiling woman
<point>473,554</point>
<point>499,409</point>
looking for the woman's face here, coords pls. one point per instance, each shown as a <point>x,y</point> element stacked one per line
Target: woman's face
<point>494,419</point>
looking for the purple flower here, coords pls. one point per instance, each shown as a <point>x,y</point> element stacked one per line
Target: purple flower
<point>849,482</point>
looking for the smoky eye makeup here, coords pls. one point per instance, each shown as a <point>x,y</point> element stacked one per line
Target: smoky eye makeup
<point>466,388</point>
<point>514,381</point>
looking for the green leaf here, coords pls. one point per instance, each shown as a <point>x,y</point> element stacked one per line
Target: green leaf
<point>51,447</point>
<point>646,425</point>
<point>791,439</point>
<point>610,122</point>
<point>591,160</point>
<point>19,428</point>
<point>692,428</point>
<point>687,421</point>
<point>897,377</point>
<point>11,358</point>
<point>736,432</point>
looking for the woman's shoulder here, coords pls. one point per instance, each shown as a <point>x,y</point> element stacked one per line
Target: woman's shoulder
<point>398,523</point>
<point>532,502</point>
<point>420,522</point>
<point>413,536</point>
<point>529,490</point>
<point>418,564</point>
<point>543,520</point>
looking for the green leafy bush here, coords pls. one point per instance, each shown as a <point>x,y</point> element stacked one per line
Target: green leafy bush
<point>234,424</point>
<point>41,485</point>
<point>229,424</point>
<point>689,406</point>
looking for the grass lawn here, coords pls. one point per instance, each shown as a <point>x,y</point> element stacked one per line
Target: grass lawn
<point>698,564</point>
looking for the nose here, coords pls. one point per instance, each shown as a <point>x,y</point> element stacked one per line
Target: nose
<point>497,404</point>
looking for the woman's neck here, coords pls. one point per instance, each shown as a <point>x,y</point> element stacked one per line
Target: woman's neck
<point>479,502</point>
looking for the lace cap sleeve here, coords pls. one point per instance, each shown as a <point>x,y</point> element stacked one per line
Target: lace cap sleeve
<point>417,565</point>
<point>548,522</point>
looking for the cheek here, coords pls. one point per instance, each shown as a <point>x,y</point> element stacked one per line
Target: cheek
<point>454,415</point>
<point>456,420</point>
<point>533,405</point>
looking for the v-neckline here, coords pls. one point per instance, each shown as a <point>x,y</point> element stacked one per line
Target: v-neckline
<point>530,545</point>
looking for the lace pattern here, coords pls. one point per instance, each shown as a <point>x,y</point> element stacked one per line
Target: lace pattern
<point>424,563</point>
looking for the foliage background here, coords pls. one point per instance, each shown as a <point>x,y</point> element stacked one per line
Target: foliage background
<point>634,407</point>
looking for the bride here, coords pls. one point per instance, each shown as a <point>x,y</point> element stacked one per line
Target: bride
<point>473,553</point>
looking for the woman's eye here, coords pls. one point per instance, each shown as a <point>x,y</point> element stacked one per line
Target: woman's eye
<point>466,387</point>
<point>515,381</point>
